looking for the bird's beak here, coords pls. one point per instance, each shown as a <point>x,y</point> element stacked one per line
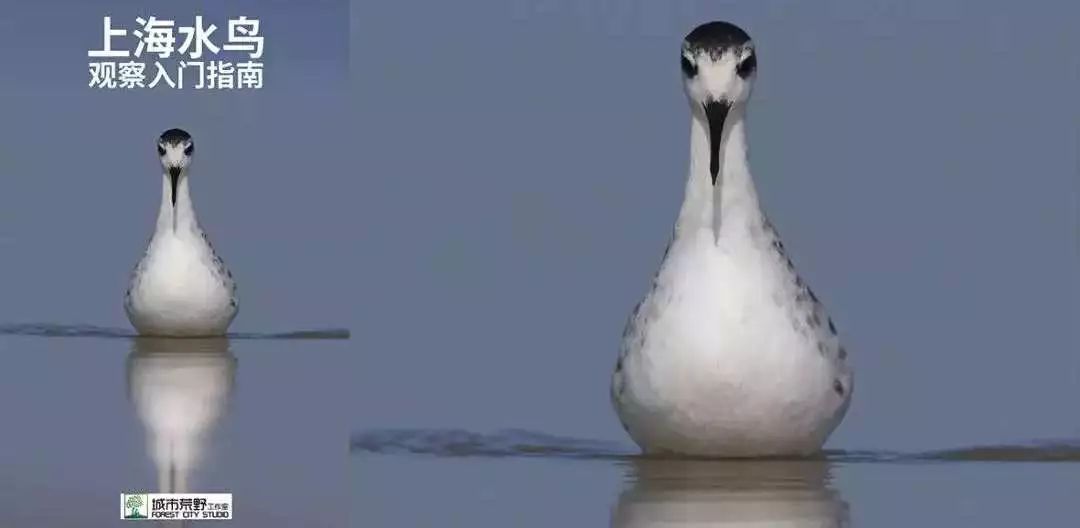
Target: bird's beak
<point>715,112</point>
<point>174,178</point>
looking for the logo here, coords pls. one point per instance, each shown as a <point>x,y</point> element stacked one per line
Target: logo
<point>134,506</point>
<point>181,506</point>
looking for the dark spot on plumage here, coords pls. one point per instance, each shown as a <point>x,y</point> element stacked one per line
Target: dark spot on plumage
<point>799,283</point>
<point>838,387</point>
<point>630,322</point>
<point>813,320</point>
<point>822,348</point>
<point>689,69</point>
<point>618,364</point>
<point>715,37</point>
<point>832,326</point>
<point>842,353</point>
<point>747,67</point>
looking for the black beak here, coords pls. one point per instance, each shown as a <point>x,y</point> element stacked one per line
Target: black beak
<point>715,112</point>
<point>174,177</point>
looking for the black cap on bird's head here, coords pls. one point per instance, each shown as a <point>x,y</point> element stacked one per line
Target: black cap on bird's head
<point>174,136</point>
<point>718,65</point>
<point>175,148</point>
<point>717,35</point>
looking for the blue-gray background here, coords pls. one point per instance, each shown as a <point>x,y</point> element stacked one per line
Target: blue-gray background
<point>499,195</point>
<point>519,165</point>
<point>79,191</point>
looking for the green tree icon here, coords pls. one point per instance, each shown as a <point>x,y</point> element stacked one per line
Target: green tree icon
<point>133,503</point>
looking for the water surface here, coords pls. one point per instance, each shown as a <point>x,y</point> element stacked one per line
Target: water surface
<point>95,413</point>
<point>519,478</point>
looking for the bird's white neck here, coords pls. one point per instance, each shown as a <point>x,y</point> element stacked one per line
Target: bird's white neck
<point>732,202</point>
<point>178,217</point>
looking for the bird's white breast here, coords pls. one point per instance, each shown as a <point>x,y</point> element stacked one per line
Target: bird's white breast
<point>715,359</point>
<point>180,287</point>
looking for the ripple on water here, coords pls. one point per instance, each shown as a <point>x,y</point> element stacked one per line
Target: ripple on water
<point>57,330</point>
<point>521,443</point>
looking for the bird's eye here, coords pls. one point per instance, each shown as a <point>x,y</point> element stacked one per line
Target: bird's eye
<point>747,66</point>
<point>689,69</point>
<point>160,150</point>
<point>190,148</point>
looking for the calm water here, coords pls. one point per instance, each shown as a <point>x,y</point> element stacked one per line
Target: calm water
<point>453,478</point>
<point>89,417</point>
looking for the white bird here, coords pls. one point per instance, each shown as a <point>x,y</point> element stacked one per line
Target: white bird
<point>180,287</point>
<point>730,354</point>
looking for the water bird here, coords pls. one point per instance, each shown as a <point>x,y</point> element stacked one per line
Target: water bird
<point>730,353</point>
<point>180,287</point>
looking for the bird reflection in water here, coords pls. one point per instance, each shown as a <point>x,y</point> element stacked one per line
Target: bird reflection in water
<point>684,493</point>
<point>179,388</point>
